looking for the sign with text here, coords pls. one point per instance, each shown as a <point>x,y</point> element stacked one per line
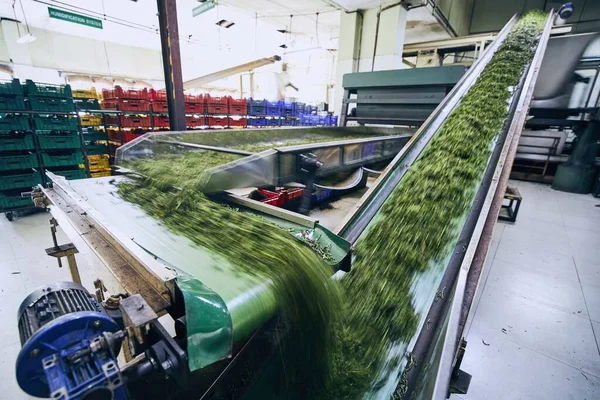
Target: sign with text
<point>74,18</point>
<point>204,7</point>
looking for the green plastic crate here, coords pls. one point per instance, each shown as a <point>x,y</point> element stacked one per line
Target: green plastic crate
<point>92,138</point>
<point>24,181</point>
<point>10,123</point>
<point>62,159</point>
<point>71,173</point>
<point>21,142</point>
<point>12,103</point>
<point>21,161</point>
<point>59,141</point>
<point>51,104</point>
<point>11,87</point>
<point>87,104</point>
<point>47,125</point>
<point>95,149</point>
<point>46,90</point>
<point>13,199</point>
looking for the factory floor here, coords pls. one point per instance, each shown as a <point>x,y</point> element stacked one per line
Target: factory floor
<point>536,329</point>
<point>535,333</point>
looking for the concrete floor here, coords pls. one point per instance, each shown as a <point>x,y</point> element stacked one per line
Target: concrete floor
<point>536,328</point>
<point>535,333</point>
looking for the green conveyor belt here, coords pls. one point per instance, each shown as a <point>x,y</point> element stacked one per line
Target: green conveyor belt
<point>209,279</point>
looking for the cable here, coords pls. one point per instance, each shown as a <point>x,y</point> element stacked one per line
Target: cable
<point>16,19</point>
<point>24,17</point>
<point>317,28</point>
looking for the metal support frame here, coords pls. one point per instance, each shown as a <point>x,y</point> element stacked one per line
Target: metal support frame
<point>169,38</point>
<point>512,208</point>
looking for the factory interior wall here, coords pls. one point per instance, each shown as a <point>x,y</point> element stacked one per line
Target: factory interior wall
<point>53,55</point>
<point>458,14</point>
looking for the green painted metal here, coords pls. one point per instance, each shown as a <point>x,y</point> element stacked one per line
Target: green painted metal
<point>74,18</point>
<point>209,325</point>
<point>448,75</point>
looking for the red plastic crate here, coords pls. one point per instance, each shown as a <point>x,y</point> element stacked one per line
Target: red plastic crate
<point>161,121</point>
<point>114,135</point>
<point>127,105</point>
<point>217,121</point>
<point>160,107</point>
<point>119,93</point>
<point>217,105</point>
<point>194,108</point>
<point>217,109</point>
<point>128,121</point>
<point>112,119</point>
<point>281,197</point>
<point>158,95</point>
<point>238,106</point>
<point>129,136</point>
<point>192,122</point>
<point>194,98</point>
<point>239,123</point>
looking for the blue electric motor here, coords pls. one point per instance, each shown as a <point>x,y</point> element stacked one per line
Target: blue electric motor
<point>70,346</point>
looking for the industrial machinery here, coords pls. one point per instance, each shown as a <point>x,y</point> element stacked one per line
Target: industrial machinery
<point>216,335</point>
<point>397,97</point>
<point>559,143</point>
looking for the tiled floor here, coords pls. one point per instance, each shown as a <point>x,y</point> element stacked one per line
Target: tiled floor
<point>536,328</point>
<point>537,321</point>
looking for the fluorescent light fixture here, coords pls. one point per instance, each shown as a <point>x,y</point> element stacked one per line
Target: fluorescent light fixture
<point>27,38</point>
<point>225,24</point>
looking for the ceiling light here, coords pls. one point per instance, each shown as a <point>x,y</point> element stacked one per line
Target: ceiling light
<point>283,46</point>
<point>27,38</point>
<point>225,24</point>
<point>283,31</point>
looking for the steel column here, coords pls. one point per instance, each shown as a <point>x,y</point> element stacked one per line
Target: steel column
<point>169,38</point>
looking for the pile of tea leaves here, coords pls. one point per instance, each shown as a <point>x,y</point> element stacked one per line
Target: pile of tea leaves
<point>418,225</point>
<point>339,348</point>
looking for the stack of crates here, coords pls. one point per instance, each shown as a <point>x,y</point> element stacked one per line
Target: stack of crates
<point>19,164</point>
<point>60,145</point>
<point>217,105</point>
<point>194,104</point>
<point>46,97</point>
<point>134,105</point>
<point>86,99</point>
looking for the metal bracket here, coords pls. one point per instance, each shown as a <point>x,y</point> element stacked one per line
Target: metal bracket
<point>64,250</point>
<point>137,314</point>
<point>460,380</point>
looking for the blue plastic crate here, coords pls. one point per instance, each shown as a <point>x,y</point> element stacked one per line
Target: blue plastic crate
<point>304,119</point>
<point>257,107</point>
<point>334,120</point>
<point>256,122</point>
<point>288,109</point>
<point>310,109</point>
<point>273,122</point>
<point>288,122</point>
<point>299,108</point>
<point>274,108</point>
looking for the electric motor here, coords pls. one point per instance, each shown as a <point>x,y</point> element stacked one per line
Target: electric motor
<point>68,346</point>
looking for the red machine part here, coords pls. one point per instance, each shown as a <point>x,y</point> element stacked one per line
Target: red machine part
<point>280,197</point>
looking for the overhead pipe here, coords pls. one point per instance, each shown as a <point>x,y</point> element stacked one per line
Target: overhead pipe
<point>215,76</point>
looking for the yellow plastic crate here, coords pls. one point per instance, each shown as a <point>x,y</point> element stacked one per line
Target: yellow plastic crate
<point>97,157</point>
<point>98,174</point>
<point>96,166</point>
<point>85,93</point>
<point>91,120</point>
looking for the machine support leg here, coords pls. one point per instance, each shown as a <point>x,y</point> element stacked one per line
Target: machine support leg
<point>344,113</point>
<point>73,268</point>
<point>169,38</point>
